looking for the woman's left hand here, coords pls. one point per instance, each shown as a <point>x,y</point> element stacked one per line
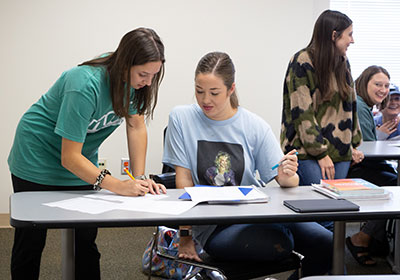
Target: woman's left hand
<point>155,188</point>
<point>357,156</point>
<point>288,164</point>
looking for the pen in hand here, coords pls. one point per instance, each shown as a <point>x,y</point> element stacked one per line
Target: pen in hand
<point>279,163</point>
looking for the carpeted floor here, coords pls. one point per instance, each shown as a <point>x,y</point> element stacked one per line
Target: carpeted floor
<point>122,249</point>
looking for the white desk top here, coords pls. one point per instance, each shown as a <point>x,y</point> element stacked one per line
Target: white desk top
<point>27,210</point>
<point>381,149</point>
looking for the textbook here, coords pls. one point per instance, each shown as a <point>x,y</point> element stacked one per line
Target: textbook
<point>351,189</point>
<point>351,186</point>
<point>225,194</point>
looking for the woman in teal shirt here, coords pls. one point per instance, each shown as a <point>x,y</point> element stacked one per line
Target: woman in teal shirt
<point>59,136</point>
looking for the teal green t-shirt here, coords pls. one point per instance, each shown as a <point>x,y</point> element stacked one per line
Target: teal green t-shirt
<point>366,118</point>
<point>77,107</point>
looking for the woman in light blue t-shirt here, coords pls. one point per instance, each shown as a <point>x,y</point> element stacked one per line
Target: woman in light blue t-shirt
<point>59,136</point>
<point>217,131</point>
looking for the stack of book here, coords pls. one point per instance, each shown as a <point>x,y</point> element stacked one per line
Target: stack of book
<point>351,189</point>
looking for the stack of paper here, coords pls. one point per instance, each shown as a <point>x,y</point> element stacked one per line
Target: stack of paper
<point>351,189</point>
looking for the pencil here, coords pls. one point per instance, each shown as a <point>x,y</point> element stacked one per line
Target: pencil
<point>129,174</point>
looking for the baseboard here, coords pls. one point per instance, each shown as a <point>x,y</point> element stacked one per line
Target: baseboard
<point>5,220</point>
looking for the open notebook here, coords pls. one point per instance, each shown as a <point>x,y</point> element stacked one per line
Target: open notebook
<point>225,194</point>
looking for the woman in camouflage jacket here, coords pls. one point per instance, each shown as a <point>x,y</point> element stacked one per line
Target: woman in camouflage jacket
<point>319,117</point>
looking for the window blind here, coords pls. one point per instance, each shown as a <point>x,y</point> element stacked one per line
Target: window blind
<point>376,26</point>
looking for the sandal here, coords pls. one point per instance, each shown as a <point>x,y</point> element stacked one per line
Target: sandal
<point>364,259</point>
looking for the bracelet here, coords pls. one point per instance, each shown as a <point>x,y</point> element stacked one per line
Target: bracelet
<point>141,177</point>
<point>100,178</point>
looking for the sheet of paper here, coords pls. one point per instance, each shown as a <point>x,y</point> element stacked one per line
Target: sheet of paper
<point>201,194</point>
<point>160,206</point>
<point>84,205</point>
<point>104,201</point>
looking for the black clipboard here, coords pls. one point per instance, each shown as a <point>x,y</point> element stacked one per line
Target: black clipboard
<point>321,205</point>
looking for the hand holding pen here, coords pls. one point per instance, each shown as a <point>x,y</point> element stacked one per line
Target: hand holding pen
<point>151,186</point>
<point>288,164</point>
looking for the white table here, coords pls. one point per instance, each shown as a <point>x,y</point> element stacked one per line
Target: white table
<point>386,150</point>
<point>21,215</point>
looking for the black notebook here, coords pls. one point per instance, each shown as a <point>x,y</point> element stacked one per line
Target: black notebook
<point>320,205</point>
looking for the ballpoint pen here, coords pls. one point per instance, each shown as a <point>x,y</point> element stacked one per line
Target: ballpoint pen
<point>279,163</point>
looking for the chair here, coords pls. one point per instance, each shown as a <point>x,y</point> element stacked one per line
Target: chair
<point>167,179</point>
<point>234,270</point>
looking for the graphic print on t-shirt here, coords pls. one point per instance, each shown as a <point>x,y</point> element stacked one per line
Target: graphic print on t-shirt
<point>109,119</point>
<point>219,163</point>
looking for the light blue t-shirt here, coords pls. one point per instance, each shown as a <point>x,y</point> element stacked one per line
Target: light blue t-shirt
<point>77,107</point>
<point>227,152</point>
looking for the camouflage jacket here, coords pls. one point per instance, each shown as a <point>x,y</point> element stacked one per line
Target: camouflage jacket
<point>316,128</point>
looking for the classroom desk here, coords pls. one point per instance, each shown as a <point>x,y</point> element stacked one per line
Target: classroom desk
<point>21,215</point>
<point>387,150</point>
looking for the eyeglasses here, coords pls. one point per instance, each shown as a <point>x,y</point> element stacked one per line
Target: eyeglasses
<point>395,98</point>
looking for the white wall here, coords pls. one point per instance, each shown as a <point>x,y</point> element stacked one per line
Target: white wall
<point>42,38</point>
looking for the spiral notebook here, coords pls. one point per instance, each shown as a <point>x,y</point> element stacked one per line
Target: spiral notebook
<point>320,205</point>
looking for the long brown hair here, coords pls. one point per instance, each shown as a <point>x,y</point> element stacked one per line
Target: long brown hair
<point>363,80</point>
<point>137,47</point>
<point>219,64</point>
<point>324,54</point>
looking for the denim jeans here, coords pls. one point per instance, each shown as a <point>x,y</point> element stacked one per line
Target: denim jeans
<point>259,242</point>
<point>266,242</point>
<point>309,173</point>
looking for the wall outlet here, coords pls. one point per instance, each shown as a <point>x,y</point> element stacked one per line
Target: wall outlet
<point>125,164</point>
<point>102,163</point>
